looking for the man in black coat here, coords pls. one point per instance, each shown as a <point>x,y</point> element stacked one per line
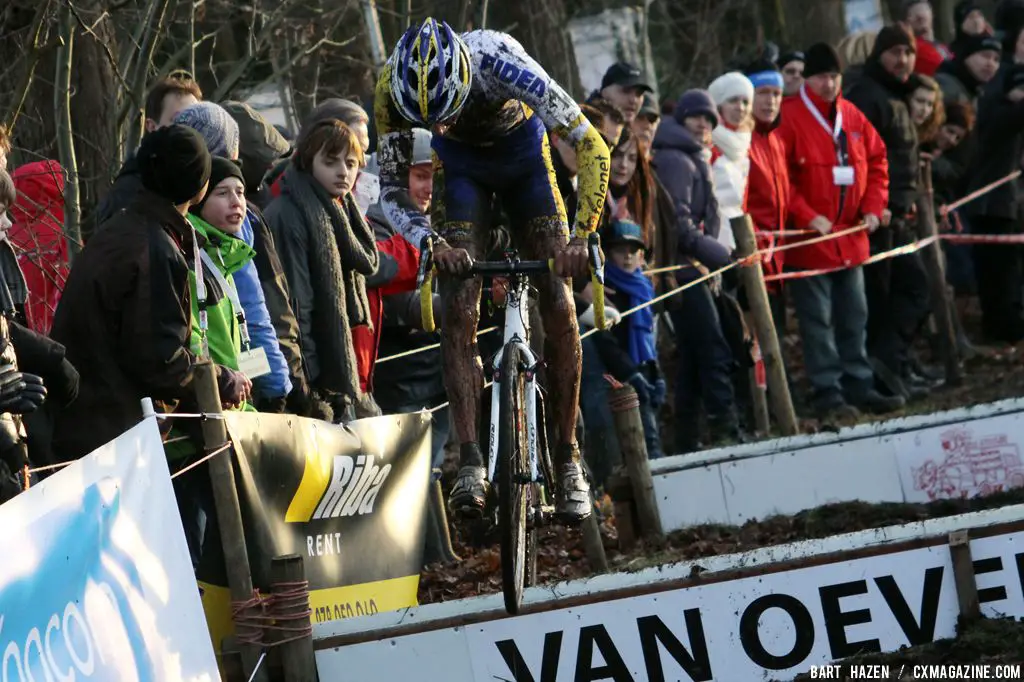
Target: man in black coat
<point>163,102</point>
<point>897,288</point>
<point>125,315</point>
<point>1000,137</point>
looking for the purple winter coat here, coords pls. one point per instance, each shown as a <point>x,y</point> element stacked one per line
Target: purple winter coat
<point>686,175</point>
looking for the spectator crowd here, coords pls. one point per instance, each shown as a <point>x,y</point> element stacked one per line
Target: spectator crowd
<point>225,238</point>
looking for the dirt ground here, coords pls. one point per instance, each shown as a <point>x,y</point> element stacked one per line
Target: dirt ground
<point>561,555</point>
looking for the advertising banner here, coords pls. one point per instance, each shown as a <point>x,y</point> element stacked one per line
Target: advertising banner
<point>351,500</point>
<point>955,455</point>
<point>760,627</point>
<point>95,577</point>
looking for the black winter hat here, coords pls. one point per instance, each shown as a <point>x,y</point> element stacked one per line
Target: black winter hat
<point>220,169</point>
<point>975,44</point>
<point>890,37</point>
<point>791,56</point>
<point>174,163</point>
<point>821,58</point>
<point>962,9</point>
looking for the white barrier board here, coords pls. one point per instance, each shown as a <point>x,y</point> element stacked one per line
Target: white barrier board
<point>95,577</point>
<point>962,453</point>
<point>763,627</point>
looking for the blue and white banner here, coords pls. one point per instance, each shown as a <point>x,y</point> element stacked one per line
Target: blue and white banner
<point>95,577</point>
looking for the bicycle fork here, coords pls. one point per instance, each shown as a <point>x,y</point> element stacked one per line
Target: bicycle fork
<point>530,415</point>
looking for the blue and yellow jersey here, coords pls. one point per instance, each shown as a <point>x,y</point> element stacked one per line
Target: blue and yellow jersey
<point>508,87</point>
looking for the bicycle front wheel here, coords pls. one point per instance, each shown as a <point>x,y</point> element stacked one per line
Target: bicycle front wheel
<point>513,475</point>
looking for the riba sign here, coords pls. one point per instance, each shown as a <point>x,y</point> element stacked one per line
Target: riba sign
<point>766,627</point>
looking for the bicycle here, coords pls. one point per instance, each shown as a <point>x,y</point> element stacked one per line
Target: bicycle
<point>516,448</point>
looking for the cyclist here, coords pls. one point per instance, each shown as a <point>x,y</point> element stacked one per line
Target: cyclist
<point>489,105</point>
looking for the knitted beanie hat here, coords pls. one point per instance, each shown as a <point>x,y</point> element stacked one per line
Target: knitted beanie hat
<point>821,58</point>
<point>696,103</point>
<point>216,126</point>
<point>729,85</point>
<point>174,163</point>
<point>890,37</point>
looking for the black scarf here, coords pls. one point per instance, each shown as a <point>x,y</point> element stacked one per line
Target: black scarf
<point>344,253</point>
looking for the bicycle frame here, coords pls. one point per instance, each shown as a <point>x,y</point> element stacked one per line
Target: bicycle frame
<point>517,332</point>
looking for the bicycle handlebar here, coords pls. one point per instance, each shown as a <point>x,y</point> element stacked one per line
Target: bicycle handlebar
<point>425,276</point>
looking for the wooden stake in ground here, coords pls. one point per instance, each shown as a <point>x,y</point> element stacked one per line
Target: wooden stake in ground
<point>594,545</point>
<point>229,517</point>
<point>764,327</point>
<point>291,613</point>
<point>932,256</point>
<point>625,407</point>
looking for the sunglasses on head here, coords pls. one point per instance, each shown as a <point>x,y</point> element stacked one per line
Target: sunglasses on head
<point>181,75</point>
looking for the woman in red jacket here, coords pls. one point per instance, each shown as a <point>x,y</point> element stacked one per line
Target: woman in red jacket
<point>839,179</point>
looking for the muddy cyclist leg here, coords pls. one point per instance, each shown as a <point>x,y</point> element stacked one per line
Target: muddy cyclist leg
<point>463,369</point>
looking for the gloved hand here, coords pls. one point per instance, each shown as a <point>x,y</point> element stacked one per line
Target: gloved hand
<point>299,401</point>
<point>20,393</point>
<point>344,409</point>
<point>234,387</point>
<point>644,388</point>
<point>366,407</point>
<point>611,316</point>
<point>658,394</point>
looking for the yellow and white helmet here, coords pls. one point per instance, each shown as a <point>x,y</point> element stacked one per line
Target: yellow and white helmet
<point>431,73</point>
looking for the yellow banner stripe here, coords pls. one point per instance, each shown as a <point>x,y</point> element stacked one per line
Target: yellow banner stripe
<point>316,475</point>
<point>329,604</point>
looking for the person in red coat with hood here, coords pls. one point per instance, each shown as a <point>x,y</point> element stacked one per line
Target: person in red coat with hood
<point>38,235</point>
<point>839,179</point>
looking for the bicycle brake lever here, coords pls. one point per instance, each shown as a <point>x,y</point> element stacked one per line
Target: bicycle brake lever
<point>426,261</point>
<point>594,252</point>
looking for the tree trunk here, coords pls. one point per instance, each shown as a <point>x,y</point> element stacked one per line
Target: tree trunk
<point>94,109</point>
<point>813,22</point>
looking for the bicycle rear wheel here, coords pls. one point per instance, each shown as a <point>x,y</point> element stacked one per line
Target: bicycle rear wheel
<point>513,477</point>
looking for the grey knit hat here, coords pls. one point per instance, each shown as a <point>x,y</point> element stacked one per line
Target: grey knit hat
<point>216,126</point>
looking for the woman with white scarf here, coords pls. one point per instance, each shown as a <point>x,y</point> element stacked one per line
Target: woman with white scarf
<point>730,161</point>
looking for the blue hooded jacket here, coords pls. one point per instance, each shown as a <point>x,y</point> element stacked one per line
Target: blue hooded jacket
<point>261,330</point>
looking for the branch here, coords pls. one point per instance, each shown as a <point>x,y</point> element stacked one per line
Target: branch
<point>173,60</point>
<point>138,81</point>
<point>225,87</point>
<point>106,51</point>
<point>65,138</point>
<point>282,70</point>
<point>34,53</point>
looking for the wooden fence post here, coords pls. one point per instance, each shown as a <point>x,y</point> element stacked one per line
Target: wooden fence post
<point>229,516</point>
<point>291,610</point>
<point>932,256</point>
<point>625,407</point>
<point>593,544</point>
<point>764,327</point>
